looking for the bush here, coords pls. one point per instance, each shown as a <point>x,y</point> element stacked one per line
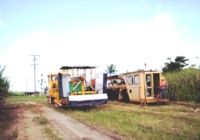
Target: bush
<point>4,86</point>
<point>184,85</point>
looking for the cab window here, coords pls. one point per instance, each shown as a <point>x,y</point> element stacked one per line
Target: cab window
<point>133,80</point>
<point>136,80</point>
<point>129,80</point>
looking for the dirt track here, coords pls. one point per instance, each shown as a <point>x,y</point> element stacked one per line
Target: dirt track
<point>70,128</point>
<point>63,126</point>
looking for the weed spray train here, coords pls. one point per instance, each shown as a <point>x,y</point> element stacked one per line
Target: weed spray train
<point>75,86</point>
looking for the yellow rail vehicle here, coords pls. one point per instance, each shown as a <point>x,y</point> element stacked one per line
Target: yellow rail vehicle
<point>73,88</point>
<point>138,86</point>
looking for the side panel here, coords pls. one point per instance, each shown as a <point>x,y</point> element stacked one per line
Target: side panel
<point>133,86</point>
<point>53,87</point>
<point>88,100</point>
<point>143,88</point>
<point>135,93</point>
<point>63,85</point>
<point>100,83</point>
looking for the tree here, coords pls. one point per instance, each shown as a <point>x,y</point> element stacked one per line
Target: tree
<point>111,69</point>
<point>4,86</point>
<point>178,64</point>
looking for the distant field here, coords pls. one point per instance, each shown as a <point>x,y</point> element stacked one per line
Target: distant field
<point>134,121</point>
<point>20,99</point>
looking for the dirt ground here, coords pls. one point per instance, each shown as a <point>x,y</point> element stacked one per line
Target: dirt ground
<point>33,121</point>
<point>8,122</point>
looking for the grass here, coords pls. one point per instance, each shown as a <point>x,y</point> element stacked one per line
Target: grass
<point>150,122</point>
<point>22,99</point>
<point>40,120</point>
<point>51,134</point>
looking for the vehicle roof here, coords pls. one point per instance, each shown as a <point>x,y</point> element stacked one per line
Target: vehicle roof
<point>140,71</point>
<point>132,72</point>
<point>77,67</point>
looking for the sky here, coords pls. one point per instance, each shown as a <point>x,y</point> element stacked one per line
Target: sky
<point>127,33</point>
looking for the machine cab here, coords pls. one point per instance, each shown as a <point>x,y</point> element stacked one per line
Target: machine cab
<point>142,86</point>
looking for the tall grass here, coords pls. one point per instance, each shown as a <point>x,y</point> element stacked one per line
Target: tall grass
<point>4,86</point>
<point>184,85</point>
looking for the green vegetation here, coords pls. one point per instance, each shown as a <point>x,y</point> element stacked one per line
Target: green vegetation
<point>111,69</point>
<point>16,93</point>
<point>184,85</point>
<point>40,120</point>
<point>4,86</point>
<point>149,122</point>
<point>21,99</point>
<point>50,133</point>
<point>178,64</point>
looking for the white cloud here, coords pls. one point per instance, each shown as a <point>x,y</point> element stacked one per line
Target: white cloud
<point>127,45</point>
